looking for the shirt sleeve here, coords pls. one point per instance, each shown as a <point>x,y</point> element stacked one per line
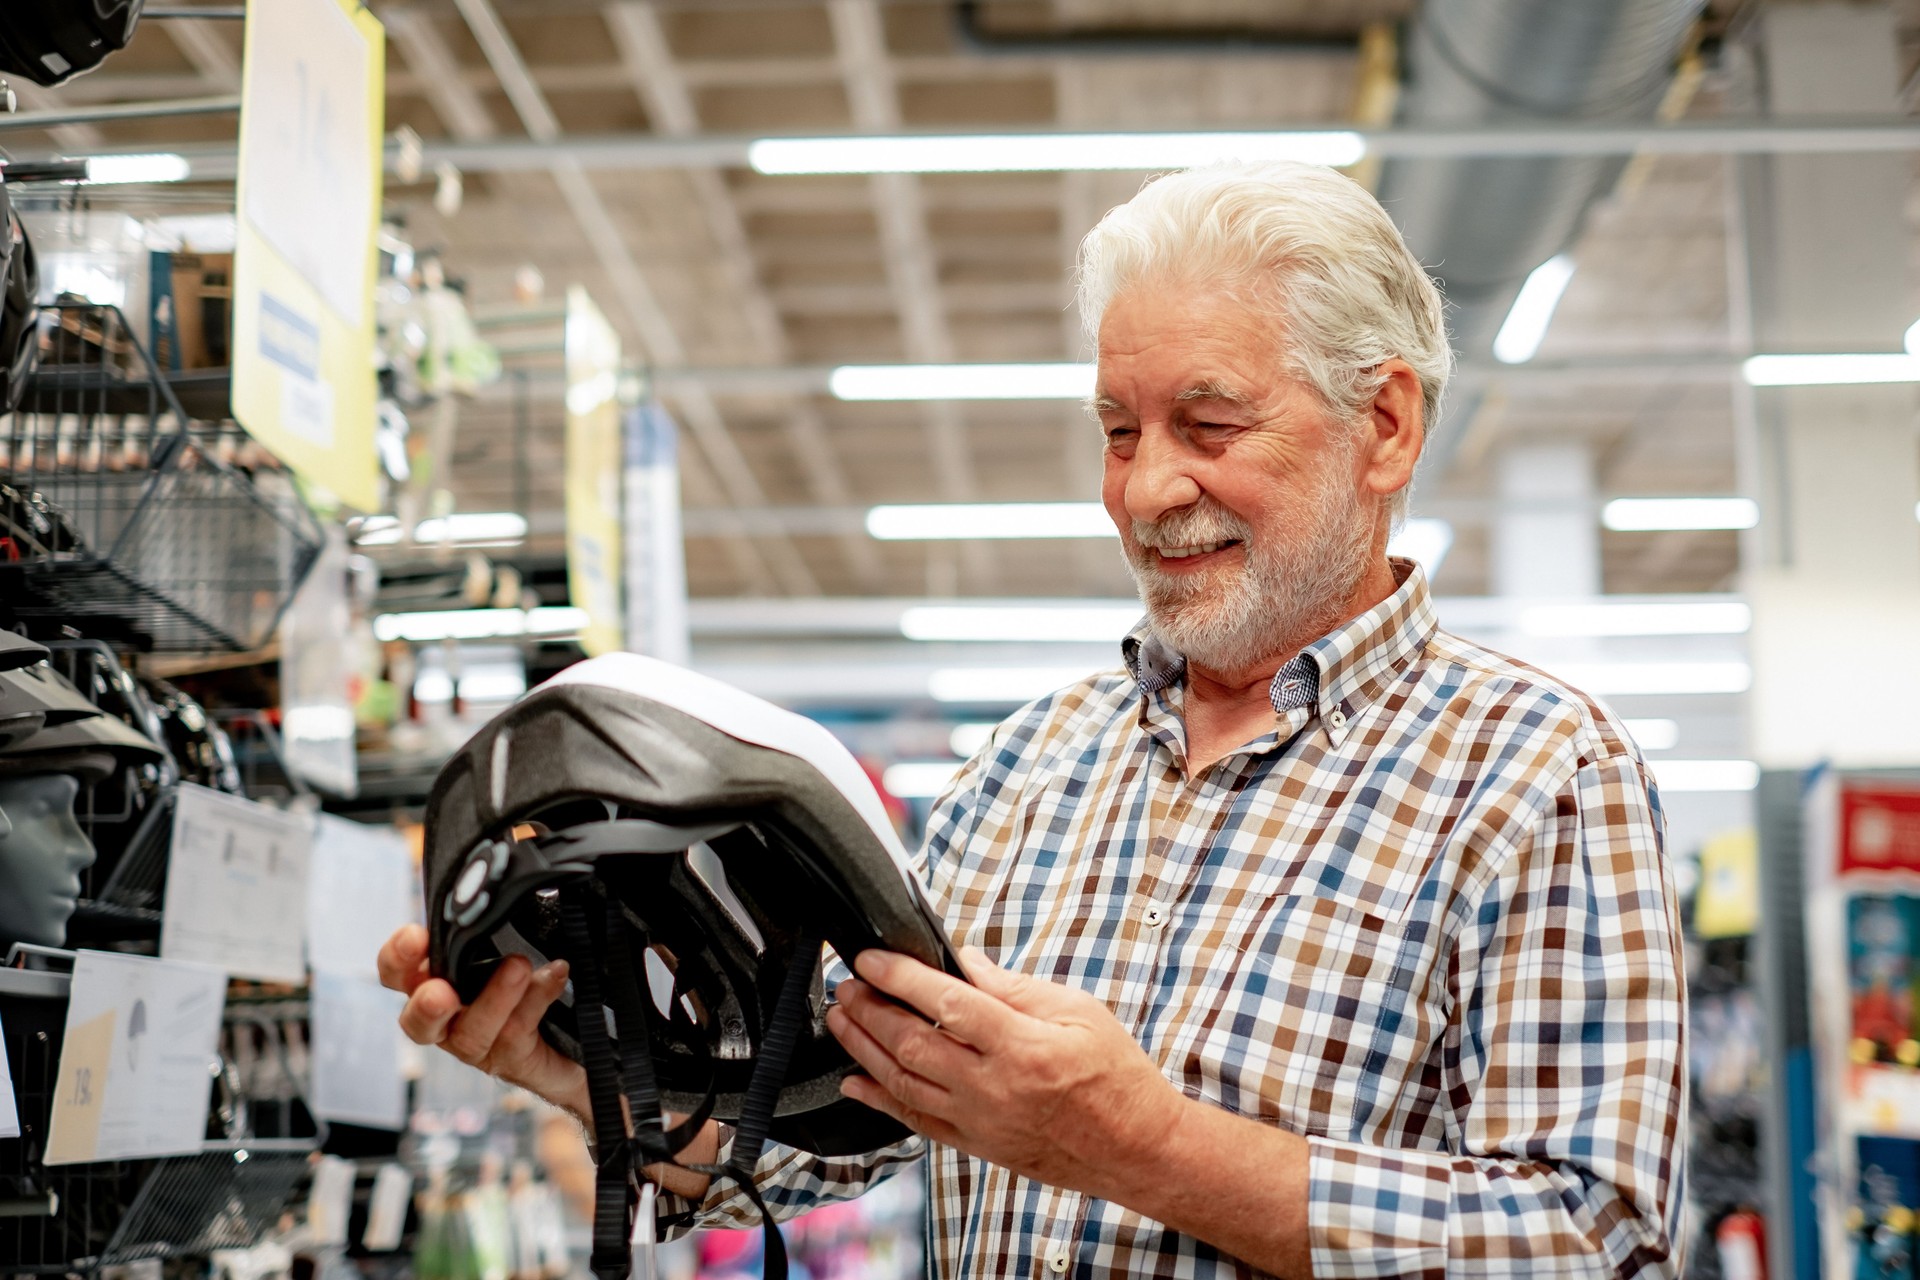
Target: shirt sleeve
<point>1564,1063</point>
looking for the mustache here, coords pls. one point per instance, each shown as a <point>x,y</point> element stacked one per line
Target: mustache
<point>1203,522</point>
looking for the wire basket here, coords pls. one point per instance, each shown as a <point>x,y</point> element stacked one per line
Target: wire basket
<point>126,519</point>
<point>64,1219</point>
<point>50,1215</point>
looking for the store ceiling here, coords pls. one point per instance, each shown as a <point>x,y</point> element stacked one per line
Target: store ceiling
<point>724,268</point>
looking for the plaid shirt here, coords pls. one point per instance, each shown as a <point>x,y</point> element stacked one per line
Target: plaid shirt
<point>1425,923</point>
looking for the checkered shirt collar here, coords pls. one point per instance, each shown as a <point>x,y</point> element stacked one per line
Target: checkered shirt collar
<point>1345,669</point>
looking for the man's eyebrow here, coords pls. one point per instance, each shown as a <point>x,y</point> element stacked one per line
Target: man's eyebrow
<point>1212,389</point>
<point>1097,404</point>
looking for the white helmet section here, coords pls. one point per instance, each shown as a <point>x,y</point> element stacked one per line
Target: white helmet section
<point>739,714</point>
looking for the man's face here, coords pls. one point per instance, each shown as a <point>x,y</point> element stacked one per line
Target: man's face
<point>1237,496</point>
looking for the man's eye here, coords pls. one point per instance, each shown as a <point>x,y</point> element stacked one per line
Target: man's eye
<point>1117,434</point>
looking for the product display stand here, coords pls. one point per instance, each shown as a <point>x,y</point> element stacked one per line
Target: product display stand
<point>1862,913</point>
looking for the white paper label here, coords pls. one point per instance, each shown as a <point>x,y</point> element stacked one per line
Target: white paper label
<point>361,887</point>
<point>237,886</point>
<point>387,1212</point>
<point>136,1063</point>
<point>356,1052</point>
<point>331,1201</point>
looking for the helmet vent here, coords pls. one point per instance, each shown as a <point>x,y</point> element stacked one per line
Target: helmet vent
<point>497,765</point>
<point>711,874</point>
<point>660,982</point>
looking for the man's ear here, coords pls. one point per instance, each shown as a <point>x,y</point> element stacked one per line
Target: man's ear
<point>1394,431</point>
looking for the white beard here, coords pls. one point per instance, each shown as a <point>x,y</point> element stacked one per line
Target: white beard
<point>1230,619</point>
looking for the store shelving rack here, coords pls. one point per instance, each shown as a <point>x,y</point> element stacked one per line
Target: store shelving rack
<point>151,538</point>
<point>78,1219</point>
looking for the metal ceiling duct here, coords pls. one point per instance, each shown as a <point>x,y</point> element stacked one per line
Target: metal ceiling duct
<point>1482,225</point>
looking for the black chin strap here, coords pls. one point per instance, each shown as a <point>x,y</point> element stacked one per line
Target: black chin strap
<point>626,1071</point>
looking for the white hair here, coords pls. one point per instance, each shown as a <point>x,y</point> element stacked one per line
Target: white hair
<point>1309,245</point>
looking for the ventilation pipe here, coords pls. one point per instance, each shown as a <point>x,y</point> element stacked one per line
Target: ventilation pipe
<point>1482,225</point>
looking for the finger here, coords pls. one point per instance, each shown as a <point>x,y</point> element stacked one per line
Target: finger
<point>867,1093</point>
<point>915,1091</point>
<point>475,1029</point>
<point>429,1009</point>
<point>973,1015</point>
<point>403,958</point>
<point>520,1033</point>
<point>1021,991</point>
<point>921,1049</point>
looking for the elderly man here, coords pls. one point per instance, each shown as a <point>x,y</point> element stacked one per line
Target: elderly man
<point>1315,941</point>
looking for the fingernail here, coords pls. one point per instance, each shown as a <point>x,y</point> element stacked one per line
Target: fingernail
<point>872,963</point>
<point>552,971</point>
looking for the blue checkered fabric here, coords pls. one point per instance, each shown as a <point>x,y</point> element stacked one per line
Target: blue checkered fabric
<point>1426,922</point>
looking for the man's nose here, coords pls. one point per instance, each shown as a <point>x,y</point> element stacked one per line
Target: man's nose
<point>1159,478</point>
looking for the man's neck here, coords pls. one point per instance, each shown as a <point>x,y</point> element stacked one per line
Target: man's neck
<point>1226,709</point>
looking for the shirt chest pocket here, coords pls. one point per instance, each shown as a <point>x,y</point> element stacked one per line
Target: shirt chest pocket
<point>1299,1023</point>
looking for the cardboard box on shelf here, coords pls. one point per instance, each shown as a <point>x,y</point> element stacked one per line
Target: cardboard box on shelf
<point>192,310</point>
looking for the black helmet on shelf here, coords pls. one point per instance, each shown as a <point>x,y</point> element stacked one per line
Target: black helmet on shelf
<point>33,696</point>
<point>687,849</point>
<point>51,41</point>
<point>32,528</point>
<point>94,746</point>
<point>198,745</point>
<point>19,317</point>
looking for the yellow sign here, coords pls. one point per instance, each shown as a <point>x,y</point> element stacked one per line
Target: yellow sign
<point>311,155</point>
<point>1727,904</point>
<point>593,473</point>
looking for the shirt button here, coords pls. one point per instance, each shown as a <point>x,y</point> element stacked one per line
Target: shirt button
<point>1337,718</point>
<point>1057,1259</point>
<point>1154,915</point>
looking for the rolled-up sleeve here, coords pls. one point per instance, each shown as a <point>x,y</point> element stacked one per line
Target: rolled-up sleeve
<point>1564,1070</point>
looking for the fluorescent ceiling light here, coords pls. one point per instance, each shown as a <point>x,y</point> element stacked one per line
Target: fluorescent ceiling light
<point>944,520</point>
<point>1911,339</point>
<point>1654,735</point>
<point>970,737</point>
<point>479,624</point>
<point>1612,679</point>
<point>1705,775</point>
<point>1048,152</point>
<point>1637,618</point>
<point>161,167</point>
<point>1425,540</point>
<point>463,528</point>
<point>1831,370</point>
<point>961,381</point>
<point>1095,624</point>
<point>999,684</point>
<point>919,779</point>
<point>1635,515</point>
<point>1526,324</point>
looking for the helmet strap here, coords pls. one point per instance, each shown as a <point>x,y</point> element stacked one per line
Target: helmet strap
<point>605,977</point>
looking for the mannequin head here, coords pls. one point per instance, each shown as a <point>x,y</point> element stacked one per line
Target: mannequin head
<point>41,859</point>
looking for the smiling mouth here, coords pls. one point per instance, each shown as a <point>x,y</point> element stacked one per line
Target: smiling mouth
<point>1200,549</point>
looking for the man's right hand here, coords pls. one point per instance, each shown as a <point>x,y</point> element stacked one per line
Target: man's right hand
<point>500,1034</point>
<point>500,1031</point>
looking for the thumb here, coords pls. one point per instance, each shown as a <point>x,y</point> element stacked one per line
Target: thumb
<point>1022,992</point>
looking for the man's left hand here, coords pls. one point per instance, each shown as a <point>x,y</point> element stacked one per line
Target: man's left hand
<point>1030,1075</point>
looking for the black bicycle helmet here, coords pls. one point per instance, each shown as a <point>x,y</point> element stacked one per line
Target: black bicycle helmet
<point>19,317</point>
<point>59,747</point>
<point>199,746</point>
<point>51,41</point>
<point>687,849</point>
<point>32,696</point>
